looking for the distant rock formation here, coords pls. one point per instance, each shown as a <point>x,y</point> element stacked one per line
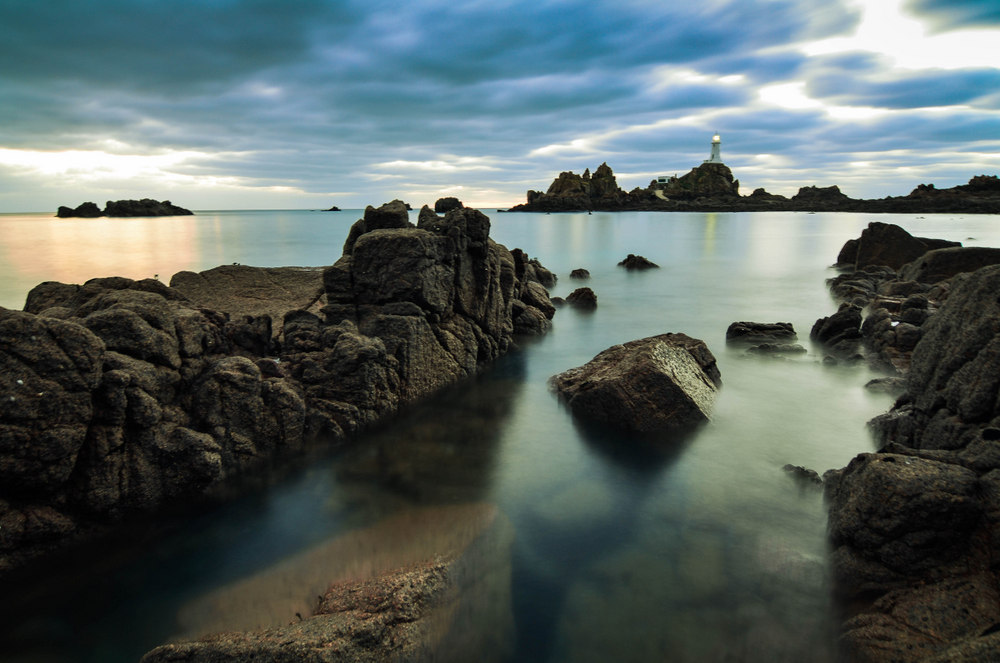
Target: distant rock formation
<point>708,180</point>
<point>634,262</point>
<point>711,187</point>
<point>122,396</point>
<point>570,191</point>
<point>125,208</point>
<point>445,205</point>
<point>333,209</point>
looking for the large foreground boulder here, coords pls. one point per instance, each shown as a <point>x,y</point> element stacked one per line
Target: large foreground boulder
<point>661,383</point>
<point>427,585</point>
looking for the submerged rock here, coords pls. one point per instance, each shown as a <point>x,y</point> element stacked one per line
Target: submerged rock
<point>425,585</point>
<point>661,383</point>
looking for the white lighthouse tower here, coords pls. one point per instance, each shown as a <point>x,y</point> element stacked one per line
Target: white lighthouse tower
<point>716,156</point>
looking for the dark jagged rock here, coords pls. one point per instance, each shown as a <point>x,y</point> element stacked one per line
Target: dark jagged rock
<point>333,209</point>
<point>444,205</point>
<point>887,244</point>
<point>708,180</point>
<point>122,396</point>
<point>938,265</point>
<point>803,475</point>
<point>710,187</point>
<point>760,332</point>
<point>916,527</point>
<point>840,332</point>
<point>632,261</point>
<point>581,273</point>
<point>85,211</point>
<point>126,208</point>
<point>582,298</point>
<point>661,383</point>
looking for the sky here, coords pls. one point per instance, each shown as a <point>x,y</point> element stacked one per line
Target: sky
<point>300,104</point>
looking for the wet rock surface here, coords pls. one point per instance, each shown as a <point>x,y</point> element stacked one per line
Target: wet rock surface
<point>121,397</point>
<point>916,527</point>
<point>425,585</point>
<point>661,383</point>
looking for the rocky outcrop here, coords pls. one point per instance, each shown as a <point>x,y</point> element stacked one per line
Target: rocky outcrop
<point>125,208</point>
<point>583,298</point>
<point>84,211</point>
<point>752,333</point>
<point>882,307</point>
<point>633,262</point>
<point>447,204</point>
<point>580,273</point>
<point>708,180</point>
<point>711,187</point>
<point>427,585</point>
<point>122,396</point>
<point>656,384</point>
<point>916,527</point>
<point>888,245</point>
<point>572,192</point>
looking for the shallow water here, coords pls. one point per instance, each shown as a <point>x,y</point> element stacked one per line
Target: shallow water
<point>701,550</point>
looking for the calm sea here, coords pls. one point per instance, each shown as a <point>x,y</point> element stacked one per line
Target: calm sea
<point>703,551</point>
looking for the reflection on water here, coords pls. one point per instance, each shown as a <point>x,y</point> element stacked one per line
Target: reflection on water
<point>699,549</point>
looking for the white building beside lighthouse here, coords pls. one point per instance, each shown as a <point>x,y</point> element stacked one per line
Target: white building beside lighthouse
<point>716,155</point>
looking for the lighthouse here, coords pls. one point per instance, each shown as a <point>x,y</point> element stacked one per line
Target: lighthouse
<point>716,156</point>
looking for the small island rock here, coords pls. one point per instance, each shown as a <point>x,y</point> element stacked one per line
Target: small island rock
<point>632,261</point>
<point>582,298</point>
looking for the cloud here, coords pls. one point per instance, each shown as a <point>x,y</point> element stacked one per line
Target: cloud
<point>952,14</point>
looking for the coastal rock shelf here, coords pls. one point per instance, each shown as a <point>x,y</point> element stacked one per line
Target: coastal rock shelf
<point>121,396</point>
<point>915,527</point>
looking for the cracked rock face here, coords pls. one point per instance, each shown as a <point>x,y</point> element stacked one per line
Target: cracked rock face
<point>661,383</point>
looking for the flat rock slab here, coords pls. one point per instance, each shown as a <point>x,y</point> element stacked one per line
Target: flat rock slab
<point>661,383</point>
<point>243,290</point>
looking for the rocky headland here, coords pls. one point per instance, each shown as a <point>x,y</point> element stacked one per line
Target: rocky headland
<point>915,527</point>
<point>711,187</point>
<point>122,397</point>
<point>123,208</point>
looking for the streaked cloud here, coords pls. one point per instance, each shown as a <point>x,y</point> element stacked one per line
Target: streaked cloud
<point>237,103</point>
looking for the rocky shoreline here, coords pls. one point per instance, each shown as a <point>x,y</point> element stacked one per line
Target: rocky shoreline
<point>915,527</point>
<point>710,187</point>
<point>125,397</point>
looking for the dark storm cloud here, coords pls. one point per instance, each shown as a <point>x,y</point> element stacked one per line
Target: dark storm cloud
<point>921,89</point>
<point>951,14</point>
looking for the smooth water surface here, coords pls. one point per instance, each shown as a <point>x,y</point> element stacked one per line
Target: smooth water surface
<point>702,550</point>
